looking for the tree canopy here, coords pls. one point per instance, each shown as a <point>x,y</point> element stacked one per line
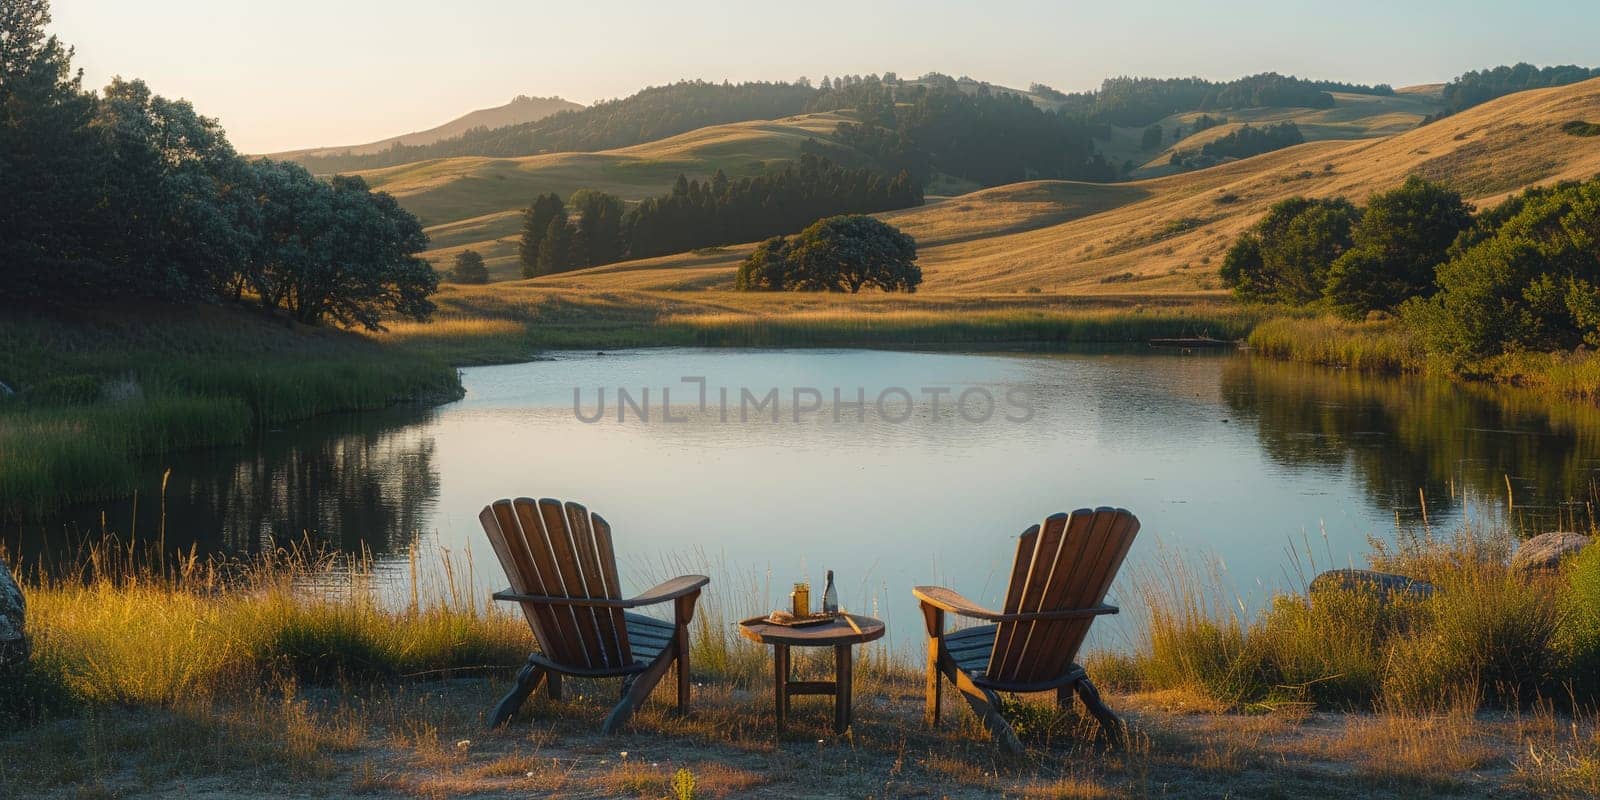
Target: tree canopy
<point>837,254</point>
<point>1356,260</point>
<point>1285,257</point>
<point>1403,235</point>
<point>469,268</point>
<point>129,194</point>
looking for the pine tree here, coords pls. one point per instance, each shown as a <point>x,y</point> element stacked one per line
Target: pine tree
<point>535,221</point>
<point>555,247</point>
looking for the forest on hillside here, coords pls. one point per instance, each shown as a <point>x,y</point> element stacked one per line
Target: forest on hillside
<point>987,136</point>
<point>595,228</point>
<point>948,118</point>
<point>934,123</point>
<point>1480,86</point>
<point>1130,102</point>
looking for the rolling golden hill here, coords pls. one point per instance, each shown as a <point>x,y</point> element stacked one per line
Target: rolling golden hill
<point>476,202</point>
<point>1168,234</point>
<point>521,109</point>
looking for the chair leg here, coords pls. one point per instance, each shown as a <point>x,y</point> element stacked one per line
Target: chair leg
<point>553,685</point>
<point>683,669</point>
<point>1111,726</point>
<point>643,683</point>
<point>933,619</point>
<point>984,703</point>
<point>528,679</point>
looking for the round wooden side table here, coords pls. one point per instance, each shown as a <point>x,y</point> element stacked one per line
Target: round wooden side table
<point>839,634</point>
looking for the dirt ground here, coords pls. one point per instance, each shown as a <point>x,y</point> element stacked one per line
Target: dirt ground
<point>428,740</point>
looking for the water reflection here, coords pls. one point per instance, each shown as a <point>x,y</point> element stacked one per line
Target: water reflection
<point>347,482</point>
<point>1399,436</point>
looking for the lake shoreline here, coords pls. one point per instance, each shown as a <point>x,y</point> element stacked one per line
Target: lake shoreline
<point>271,373</point>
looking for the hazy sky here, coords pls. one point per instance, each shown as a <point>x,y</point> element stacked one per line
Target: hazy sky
<point>296,73</point>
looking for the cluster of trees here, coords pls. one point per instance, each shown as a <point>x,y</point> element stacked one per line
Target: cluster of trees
<point>1355,260</point>
<point>1136,102</point>
<point>555,239</point>
<point>990,137</point>
<point>127,194</point>
<point>837,254</point>
<point>653,113</point>
<point>1525,276</point>
<point>1244,142</point>
<point>1481,86</point>
<point>697,213</point>
<point>1522,276</point>
<point>723,211</point>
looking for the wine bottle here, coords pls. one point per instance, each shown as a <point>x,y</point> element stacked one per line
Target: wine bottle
<point>830,597</point>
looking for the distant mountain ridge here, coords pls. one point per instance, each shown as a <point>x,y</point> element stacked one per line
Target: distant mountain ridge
<point>522,109</point>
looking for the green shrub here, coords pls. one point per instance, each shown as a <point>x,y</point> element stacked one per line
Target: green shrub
<point>65,390</point>
<point>1530,284</point>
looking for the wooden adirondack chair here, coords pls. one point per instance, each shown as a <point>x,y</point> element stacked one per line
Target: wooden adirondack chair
<point>563,572</point>
<point>1058,586</point>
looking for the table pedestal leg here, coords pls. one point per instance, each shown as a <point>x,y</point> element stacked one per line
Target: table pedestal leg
<point>780,683</point>
<point>841,693</point>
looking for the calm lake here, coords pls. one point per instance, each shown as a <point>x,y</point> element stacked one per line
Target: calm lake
<point>1266,470</point>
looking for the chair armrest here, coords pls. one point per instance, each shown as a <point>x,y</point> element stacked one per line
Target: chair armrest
<point>668,590</point>
<point>952,601</point>
<point>681,586</point>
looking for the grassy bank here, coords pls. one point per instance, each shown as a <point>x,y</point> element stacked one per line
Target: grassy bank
<point>187,676</point>
<point>1386,346</point>
<point>508,322</point>
<point>1487,638</point>
<point>96,392</point>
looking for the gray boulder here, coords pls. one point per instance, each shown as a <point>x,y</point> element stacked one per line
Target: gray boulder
<point>1383,584</point>
<point>1545,552</point>
<point>13,636</point>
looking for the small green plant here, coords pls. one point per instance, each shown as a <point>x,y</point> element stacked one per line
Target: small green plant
<point>1581,128</point>
<point>683,784</point>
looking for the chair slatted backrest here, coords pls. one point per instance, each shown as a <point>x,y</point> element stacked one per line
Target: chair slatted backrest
<point>552,549</point>
<point>1067,563</point>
